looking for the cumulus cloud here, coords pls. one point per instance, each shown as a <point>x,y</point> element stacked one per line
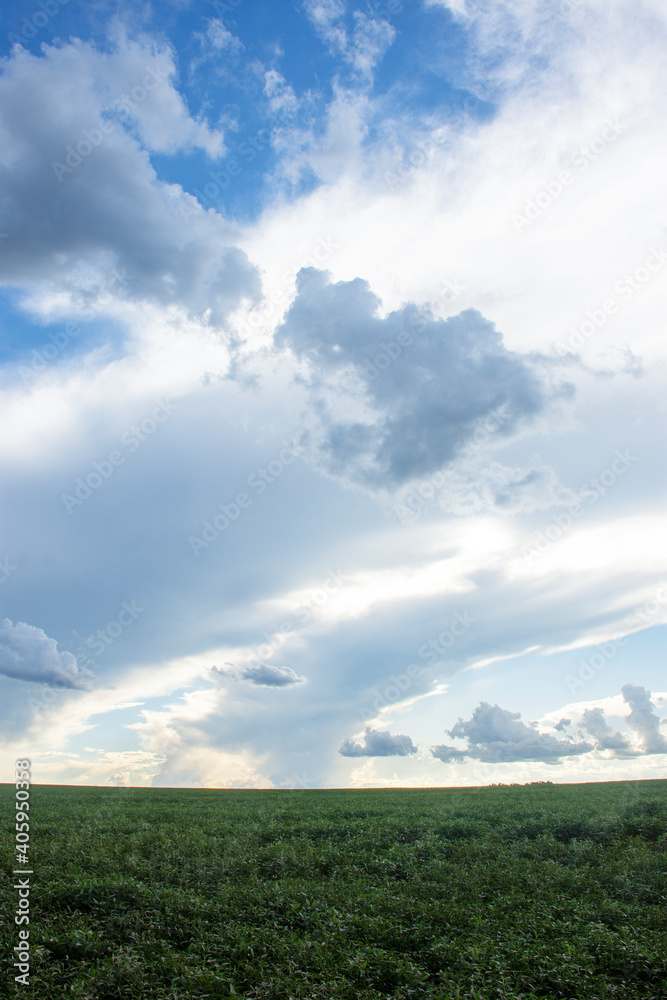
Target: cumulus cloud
<point>28,654</point>
<point>378,744</point>
<point>423,386</point>
<point>497,736</point>
<point>643,720</point>
<point>82,204</point>
<point>264,674</point>
<point>594,724</point>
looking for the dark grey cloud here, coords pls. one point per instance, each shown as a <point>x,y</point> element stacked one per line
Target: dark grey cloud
<point>497,736</point>
<point>28,654</point>
<point>82,206</point>
<point>425,384</point>
<point>264,674</point>
<point>643,720</point>
<point>594,724</point>
<point>378,744</point>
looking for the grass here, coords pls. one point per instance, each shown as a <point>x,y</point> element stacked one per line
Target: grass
<point>541,891</point>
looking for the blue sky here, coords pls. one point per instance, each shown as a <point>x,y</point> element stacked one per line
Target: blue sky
<point>332,376</point>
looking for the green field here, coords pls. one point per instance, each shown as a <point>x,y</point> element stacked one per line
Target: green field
<point>549,891</point>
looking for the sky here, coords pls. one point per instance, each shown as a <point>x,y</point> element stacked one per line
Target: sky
<point>333,400</point>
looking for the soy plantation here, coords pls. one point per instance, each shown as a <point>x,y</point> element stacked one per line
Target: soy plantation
<point>531,892</point>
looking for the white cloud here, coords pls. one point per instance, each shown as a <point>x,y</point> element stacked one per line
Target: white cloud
<point>84,210</point>
<point>454,208</point>
<point>282,99</point>
<point>495,735</point>
<point>143,77</point>
<point>595,725</point>
<point>643,719</point>
<point>370,40</point>
<point>220,38</point>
